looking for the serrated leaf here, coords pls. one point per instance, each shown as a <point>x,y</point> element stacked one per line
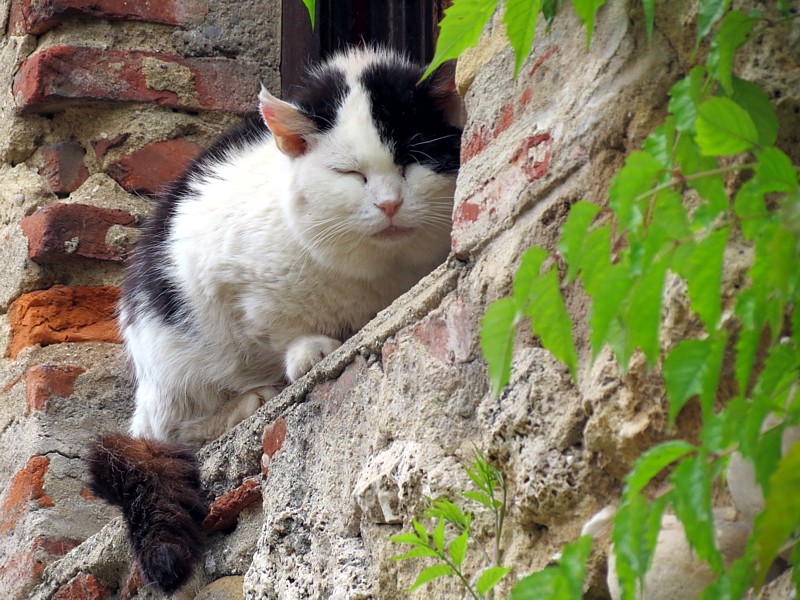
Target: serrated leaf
<point>643,320</point>
<point>685,371</point>
<point>529,266</point>
<point>711,187</point>
<point>587,9</point>
<point>418,552</point>
<point>572,564</point>
<point>550,321</point>
<point>637,176</point>
<point>498,327</point>
<point>649,16</point>
<point>685,95</point>
<point>755,101</point>
<point>458,548</point>
<point>311,6</point>
<point>612,289</point>
<point>421,533</point>
<point>628,535</point>
<point>460,29</point>
<point>547,584</point>
<point>724,127</point>
<point>751,209</point>
<point>429,574</point>
<point>659,144</point>
<point>573,233</point>
<point>549,10</point>
<point>520,19</point>
<point>702,271</point>
<point>692,503</point>
<point>490,578</point>
<point>711,11</point>
<point>653,461</point>
<point>781,515</point>
<point>774,171</point>
<point>732,34</point>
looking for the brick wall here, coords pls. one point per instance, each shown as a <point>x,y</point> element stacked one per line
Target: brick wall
<point>101,104</point>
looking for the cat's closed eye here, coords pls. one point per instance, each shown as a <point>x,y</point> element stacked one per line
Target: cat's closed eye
<point>352,172</point>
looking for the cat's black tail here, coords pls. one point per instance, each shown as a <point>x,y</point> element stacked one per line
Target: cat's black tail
<point>157,486</point>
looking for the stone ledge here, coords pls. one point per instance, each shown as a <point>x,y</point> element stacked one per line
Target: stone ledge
<point>226,462</point>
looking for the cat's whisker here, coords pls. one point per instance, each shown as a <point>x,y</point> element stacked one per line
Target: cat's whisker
<point>444,137</point>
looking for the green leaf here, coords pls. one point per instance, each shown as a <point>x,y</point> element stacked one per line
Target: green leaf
<point>429,574</point>
<point>458,548</point>
<point>418,552</point>
<point>407,538</point>
<point>711,11</point>
<point>649,17</point>
<point>659,144</point>
<point>751,209</point>
<point>311,5</point>
<point>547,584</point>
<point>643,320</point>
<point>571,245</point>
<point>460,29</point>
<point>606,303</point>
<point>550,321</point>
<point>653,461</point>
<point>702,270</point>
<point>711,187</point>
<point>573,564</point>
<point>630,537</point>
<point>692,503</point>
<point>724,127</point>
<point>587,9</point>
<point>481,498</point>
<point>732,34</point>
<point>685,95</point>
<point>497,340</point>
<point>520,20</point>
<point>775,172</point>
<point>755,101</point>
<point>438,536</point>
<point>549,10</point>
<point>688,372</point>
<point>636,177</point>
<point>529,266</point>
<point>781,515</point>
<point>490,578</point>
<point>421,533</point>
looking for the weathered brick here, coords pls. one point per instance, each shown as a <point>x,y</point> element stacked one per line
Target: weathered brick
<point>63,76</point>
<point>38,16</point>
<point>83,587</point>
<point>21,571</point>
<point>64,232</point>
<point>274,436</point>
<point>26,488</point>
<point>224,511</point>
<point>103,145</point>
<point>44,382</point>
<point>149,170</point>
<point>63,168</point>
<point>63,314</point>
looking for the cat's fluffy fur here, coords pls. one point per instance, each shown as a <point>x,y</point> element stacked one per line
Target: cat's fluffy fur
<point>280,241</point>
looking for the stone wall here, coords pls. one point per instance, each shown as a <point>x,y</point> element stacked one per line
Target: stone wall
<point>309,488</point>
<point>101,104</point>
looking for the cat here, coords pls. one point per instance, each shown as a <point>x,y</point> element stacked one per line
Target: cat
<point>281,240</point>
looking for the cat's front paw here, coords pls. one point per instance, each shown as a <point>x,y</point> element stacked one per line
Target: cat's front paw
<point>305,352</point>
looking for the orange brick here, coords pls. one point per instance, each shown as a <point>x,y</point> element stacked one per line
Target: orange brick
<point>82,587</point>
<point>63,314</point>
<point>44,382</point>
<point>26,488</point>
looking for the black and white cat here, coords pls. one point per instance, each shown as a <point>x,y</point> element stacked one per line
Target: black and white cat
<point>281,240</point>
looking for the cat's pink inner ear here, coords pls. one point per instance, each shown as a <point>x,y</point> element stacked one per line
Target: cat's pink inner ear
<point>443,90</point>
<point>288,125</point>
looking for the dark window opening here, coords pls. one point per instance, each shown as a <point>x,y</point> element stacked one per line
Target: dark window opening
<point>407,25</point>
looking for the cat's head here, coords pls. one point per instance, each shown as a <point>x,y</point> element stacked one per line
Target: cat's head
<point>374,155</point>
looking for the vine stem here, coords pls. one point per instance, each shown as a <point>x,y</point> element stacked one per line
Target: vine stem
<point>673,181</point>
<point>457,571</point>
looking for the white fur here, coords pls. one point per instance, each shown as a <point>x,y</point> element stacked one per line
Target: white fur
<point>278,259</point>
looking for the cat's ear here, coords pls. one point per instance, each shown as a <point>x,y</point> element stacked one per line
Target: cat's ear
<point>288,125</point>
<point>443,91</point>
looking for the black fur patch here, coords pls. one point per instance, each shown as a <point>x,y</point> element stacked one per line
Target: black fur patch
<point>321,96</point>
<point>157,486</point>
<point>409,117</point>
<point>148,285</point>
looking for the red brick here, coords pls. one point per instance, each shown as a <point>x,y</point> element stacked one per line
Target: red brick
<point>23,570</point>
<point>44,382</point>
<point>63,314</point>
<point>63,76</point>
<point>274,436</point>
<point>38,16</point>
<point>65,232</point>
<point>224,511</point>
<point>83,587</point>
<point>63,167</point>
<point>534,163</point>
<point>149,170</point>
<point>102,146</point>
<point>26,488</point>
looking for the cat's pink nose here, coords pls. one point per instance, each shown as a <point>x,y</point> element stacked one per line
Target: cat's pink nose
<point>389,207</point>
